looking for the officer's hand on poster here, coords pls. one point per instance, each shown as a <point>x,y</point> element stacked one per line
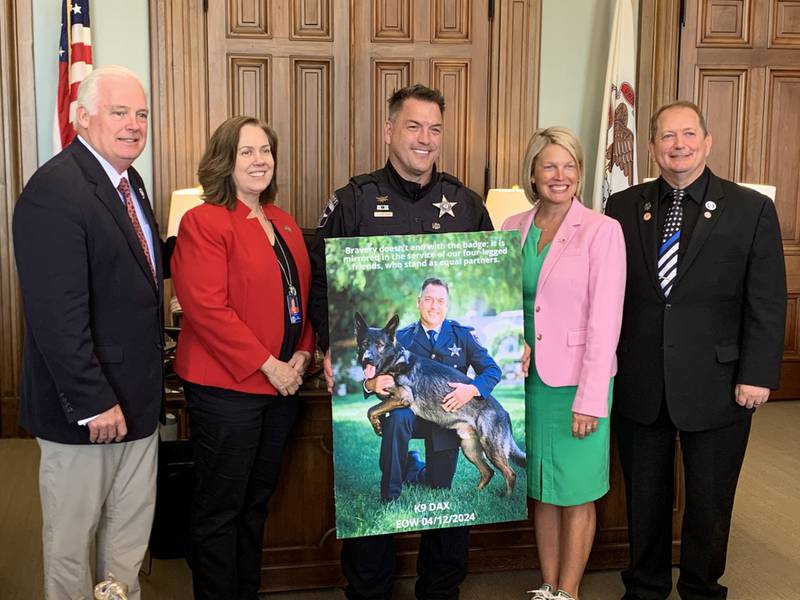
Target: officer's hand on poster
<point>328,370</point>
<point>461,394</point>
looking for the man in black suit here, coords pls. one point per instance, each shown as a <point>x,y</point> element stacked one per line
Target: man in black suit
<point>89,263</point>
<point>700,349</point>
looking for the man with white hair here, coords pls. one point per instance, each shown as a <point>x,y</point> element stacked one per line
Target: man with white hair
<point>89,261</point>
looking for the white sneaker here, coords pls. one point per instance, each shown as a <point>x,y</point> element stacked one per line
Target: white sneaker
<point>543,593</point>
<point>561,594</point>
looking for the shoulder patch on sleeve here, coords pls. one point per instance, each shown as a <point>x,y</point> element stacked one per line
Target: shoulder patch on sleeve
<point>332,204</point>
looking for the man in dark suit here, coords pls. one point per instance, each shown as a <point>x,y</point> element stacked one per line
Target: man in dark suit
<point>700,349</point>
<point>89,263</point>
<point>450,343</point>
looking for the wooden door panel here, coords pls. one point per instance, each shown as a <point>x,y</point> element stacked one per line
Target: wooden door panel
<point>443,44</point>
<point>722,95</point>
<point>248,89</point>
<point>287,62</point>
<point>782,147</point>
<point>739,62</point>
<point>784,23</point>
<point>724,23</point>
<point>311,128</point>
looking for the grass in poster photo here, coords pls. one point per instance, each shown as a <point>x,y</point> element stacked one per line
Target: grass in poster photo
<point>380,277</point>
<point>359,511</point>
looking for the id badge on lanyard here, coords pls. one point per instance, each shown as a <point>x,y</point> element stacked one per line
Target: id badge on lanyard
<point>293,305</point>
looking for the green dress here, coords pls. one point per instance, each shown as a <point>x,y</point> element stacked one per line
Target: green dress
<point>562,470</point>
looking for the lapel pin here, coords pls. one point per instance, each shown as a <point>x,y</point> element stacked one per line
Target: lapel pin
<point>141,193</point>
<point>707,214</point>
<point>436,226</point>
<point>648,206</point>
<point>710,204</point>
<point>287,229</point>
<point>647,216</point>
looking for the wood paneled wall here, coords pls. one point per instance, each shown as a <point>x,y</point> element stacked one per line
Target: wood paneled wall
<point>17,163</point>
<point>740,62</point>
<point>320,73</point>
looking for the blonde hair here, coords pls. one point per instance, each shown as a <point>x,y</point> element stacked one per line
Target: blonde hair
<point>541,139</point>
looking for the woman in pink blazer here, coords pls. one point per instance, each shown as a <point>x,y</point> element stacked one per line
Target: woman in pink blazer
<point>573,286</point>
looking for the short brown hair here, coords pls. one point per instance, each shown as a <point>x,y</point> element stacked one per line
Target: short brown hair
<point>215,171</point>
<point>541,139</point>
<point>676,104</point>
<point>416,91</point>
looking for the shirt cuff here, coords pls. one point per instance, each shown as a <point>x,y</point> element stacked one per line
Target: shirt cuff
<point>87,420</point>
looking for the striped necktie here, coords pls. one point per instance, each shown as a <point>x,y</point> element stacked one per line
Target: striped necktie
<point>670,241</point>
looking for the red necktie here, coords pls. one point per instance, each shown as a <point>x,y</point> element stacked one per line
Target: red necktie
<point>125,190</point>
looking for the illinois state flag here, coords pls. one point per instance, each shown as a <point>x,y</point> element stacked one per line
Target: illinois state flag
<point>74,63</point>
<point>616,150</point>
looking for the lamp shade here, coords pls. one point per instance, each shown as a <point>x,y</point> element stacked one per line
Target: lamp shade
<point>181,201</point>
<point>502,203</point>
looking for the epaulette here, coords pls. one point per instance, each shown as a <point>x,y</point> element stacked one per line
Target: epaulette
<point>458,325</point>
<point>362,180</point>
<point>450,179</point>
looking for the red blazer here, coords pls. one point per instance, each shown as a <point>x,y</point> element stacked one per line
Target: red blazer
<point>228,281</point>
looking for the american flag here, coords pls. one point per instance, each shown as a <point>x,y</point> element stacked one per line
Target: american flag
<point>74,63</point>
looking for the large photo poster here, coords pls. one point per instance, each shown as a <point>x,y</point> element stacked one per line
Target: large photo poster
<point>428,404</point>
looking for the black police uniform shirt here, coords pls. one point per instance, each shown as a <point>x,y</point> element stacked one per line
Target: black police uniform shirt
<point>383,203</point>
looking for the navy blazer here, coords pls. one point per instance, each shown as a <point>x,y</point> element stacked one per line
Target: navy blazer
<point>94,319</point>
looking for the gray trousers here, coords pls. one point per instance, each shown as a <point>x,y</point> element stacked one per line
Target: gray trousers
<point>100,495</point>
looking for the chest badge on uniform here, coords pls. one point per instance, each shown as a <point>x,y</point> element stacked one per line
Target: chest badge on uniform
<point>711,205</point>
<point>445,207</point>
<point>382,208</point>
<point>436,226</point>
<point>454,350</point>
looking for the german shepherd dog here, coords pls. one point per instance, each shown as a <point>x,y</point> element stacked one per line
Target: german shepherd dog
<point>421,384</point>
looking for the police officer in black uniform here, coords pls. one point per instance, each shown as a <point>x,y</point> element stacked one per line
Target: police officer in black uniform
<point>407,196</point>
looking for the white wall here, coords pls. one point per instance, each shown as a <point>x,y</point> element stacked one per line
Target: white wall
<point>574,53</point>
<point>120,35</point>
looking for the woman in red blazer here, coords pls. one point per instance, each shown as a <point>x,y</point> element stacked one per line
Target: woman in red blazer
<point>242,275</point>
<point>573,284</point>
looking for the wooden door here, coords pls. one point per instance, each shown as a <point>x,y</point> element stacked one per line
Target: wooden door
<point>441,43</point>
<point>740,62</point>
<point>288,63</point>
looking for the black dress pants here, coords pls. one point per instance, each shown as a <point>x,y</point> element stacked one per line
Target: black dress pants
<point>368,564</point>
<point>238,441</point>
<point>398,429</point>
<point>712,461</point>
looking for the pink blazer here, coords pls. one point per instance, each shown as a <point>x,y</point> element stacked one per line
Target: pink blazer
<point>578,309</point>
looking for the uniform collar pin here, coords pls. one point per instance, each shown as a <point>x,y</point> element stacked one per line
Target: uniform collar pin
<point>710,204</point>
